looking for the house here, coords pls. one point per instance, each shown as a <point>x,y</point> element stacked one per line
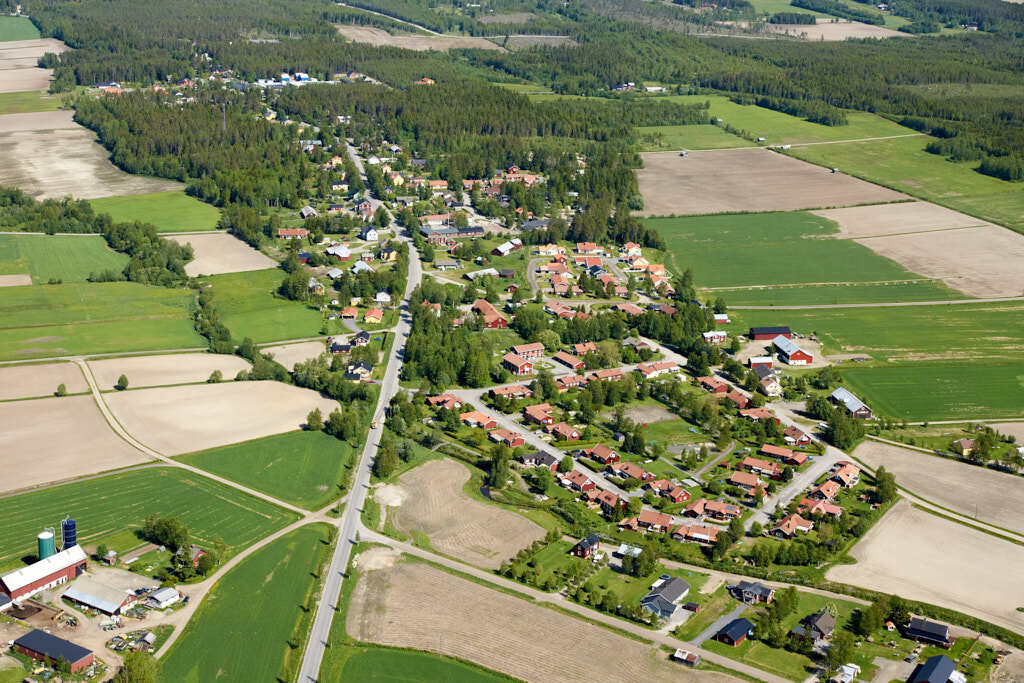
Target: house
<point>649,520</point>
<point>827,490</point>
<point>540,459</point>
<point>43,647</point>
<point>609,375</point>
<point>478,419</point>
<point>492,319</point>
<point>754,592</point>
<point>589,249</point>
<point>534,350</point>
<point>293,233</point>
<point>628,309</point>
<point>758,466</point>
<point>722,319</point>
<point>362,338</point>
<point>740,400</point>
<point>587,547</point>
<point>713,385</point>
<point>664,597</point>
<point>759,333</point>
<point>315,287</point>
<point>448,401</point>
<point>517,365</point>
<point>666,489</point>
<point>784,454</point>
<point>506,248</point>
<point>760,362</point>
<point>539,414</point>
<point>937,669</point>
<point>506,437</point>
<point>715,337</point>
<point>789,525</point>
<point>359,371</point>
<point>373,316</point>
<point>93,594</point>
<point>369,234</point>
<point>602,454</point>
<point>746,481</point>
<point>360,267</point>
<point>335,273</point>
<point>735,632</point>
<point>630,470</point>
<point>930,632</point>
<point>608,501</point>
<point>382,298</point>
<point>755,414</point>
<point>790,353</point>
<point>563,432</point>
<point>308,212</point>
<point>714,509</point>
<point>815,627</point>
<point>535,224</point>
<point>819,507</point>
<point>567,382</point>
<point>512,391</point>
<point>847,475</point>
<point>567,359</point>
<point>854,406</point>
<point>446,264</point>
<point>578,481</point>
<point>652,370</point>
<point>964,446</point>
<point>584,348</point>
<point>796,437</point>
<point>688,658</point>
<point>706,535</point>
<point>388,255</point>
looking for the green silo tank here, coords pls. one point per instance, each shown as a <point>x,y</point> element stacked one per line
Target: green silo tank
<point>46,548</point>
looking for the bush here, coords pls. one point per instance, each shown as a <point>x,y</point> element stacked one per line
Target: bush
<point>122,383</point>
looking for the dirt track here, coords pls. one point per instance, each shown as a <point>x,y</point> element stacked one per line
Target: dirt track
<point>410,41</point>
<point>155,371</point>
<point>222,253</point>
<point>28,381</point>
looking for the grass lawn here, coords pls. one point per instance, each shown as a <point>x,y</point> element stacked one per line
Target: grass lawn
<point>795,667</point>
<point>17,28</point>
<point>172,211</point>
<point>121,501</point>
<point>28,101</point>
<point>250,307</point>
<point>53,320</point>
<point>658,138</point>
<point>851,293</point>
<point>302,468</point>
<point>254,624</point>
<point>65,257</point>
<point>389,665</point>
<point>712,607</point>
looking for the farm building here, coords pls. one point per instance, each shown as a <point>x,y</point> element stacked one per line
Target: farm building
<point>854,406</point>
<point>664,597</point>
<point>790,353</point>
<point>46,573</point>
<point>99,597</point>
<point>686,657</point>
<point>937,669</point>
<point>43,647</point>
<point>735,632</point>
<point>760,362</point>
<point>722,319</point>
<point>766,333</point>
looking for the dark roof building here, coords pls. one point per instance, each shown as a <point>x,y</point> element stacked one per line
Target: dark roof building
<point>928,632</point>
<point>937,669</point>
<point>663,598</point>
<point>819,626</point>
<point>40,645</point>
<point>754,592</point>
<point>735,632</point>
<point>770,332</point>
<point>587,546</point>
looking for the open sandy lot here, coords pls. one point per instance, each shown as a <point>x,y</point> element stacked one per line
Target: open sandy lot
<point>176,420</point>
<point>645,414</point>
<point>15,280</point>
<point>173,368</point>
<point>958,486</point>
<point>29,381</point>
<point>222,253</point>
<point>70,432</point>
<point>840,30</point>
<point>417,606</point>
<point>923,557</point>
<point>457,525</point>
<point>748,179</point>
<point>290,354</point>
<point>411,41</point>
<point>896,219</point>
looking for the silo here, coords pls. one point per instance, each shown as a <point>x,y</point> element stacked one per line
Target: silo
<point>69,533</point>
<point>45,542</point>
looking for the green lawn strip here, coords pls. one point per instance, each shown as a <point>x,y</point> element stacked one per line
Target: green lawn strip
<point>17,28</point>
<point>171,211</point>
<point>120,502</point>
<point>713,606</point>
<point>392,665</point>
<point>250,306</point>
<point>790,665</point>
<point>255,622</point>
<point>851,293</point>
<point>28,101</point>
<point>302,468</point>
<point>70,258</point>
<point>660,138</point>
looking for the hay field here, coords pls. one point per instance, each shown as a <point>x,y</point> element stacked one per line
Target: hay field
<point>31,381</point>
<point>70,432</point>
<point>457,525</point>
<point>222,253</point>
<point>290,354</point>
<point>250,306</point>
<point>923,557</point>
<point>184,419</point>
<point>17,28</point>
<point>417,606</point>
<point>840,30</point>
<point>967,489</point>
<point>68,258</point>
<point>411,41</point>
<point>719,181</point>
<point>172,368</point>
<point>172,211</point>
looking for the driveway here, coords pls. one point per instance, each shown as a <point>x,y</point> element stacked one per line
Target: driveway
<point>719,624</point>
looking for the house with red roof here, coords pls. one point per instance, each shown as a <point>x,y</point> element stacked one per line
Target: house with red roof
<point>539,414</point>
<point>567,382</point>
<point>738,399</point>
<point>602,454</point>
<point>812,507</point>
<point>790,525</point>
<point>630,470</point>
<point>828,490</point>
<point>512,391</point>
<point>477,419</point>
<point>563,432</point>
<point>529,351</point>
<point>667,489</point>
<point>491,317</point>
<point>758,466</point>
<point>705,535</point>
<point>578,481</point>
<point>713,385</point>
<point>506,437</point>
<point>715,509</point>
<point>517,365</point>
<point>784,454</point>
<point>567,359</point>
<point>449,401</point>
<point>746,481</point>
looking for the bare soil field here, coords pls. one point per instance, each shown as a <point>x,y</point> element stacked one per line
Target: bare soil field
<point>983,261</point>
<point>18,70</point>
<point>896,219</point>
<point>35,121</point>
<point>417,606</point>
<point>1014,428</point>
<point>411,41</point>
<point>954,485</point>
<point>15,280</point>
<point>840,30</point>
<point>746,179</point>
<point>172,368</point>
<point>645,414</point>
<point>20,80</point>
<point>185,419</point>
<point>71,433</point>
<point>923,557</point>
<point>31,381</point>
<point>481,534</point>
<point>222,253</point>
<point>290,354</point>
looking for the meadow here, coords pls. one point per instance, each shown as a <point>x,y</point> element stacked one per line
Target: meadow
<point>392,665</point>
<point>28,101</point>
<point>658,138</point>
<point>249,306</point>
<point>254,624</point>
<point>109,505</point>
<point>302,468</point>
<point>70,258</point>
<point>102,317</point>
<point>172,211</point>
<point>17,28</point>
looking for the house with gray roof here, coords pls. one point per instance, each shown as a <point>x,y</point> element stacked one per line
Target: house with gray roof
<point>664,596</point>
<point>854,406</point>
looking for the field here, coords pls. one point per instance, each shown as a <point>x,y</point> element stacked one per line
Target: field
<point>435,504</point>
<point>28,101</point>
<point>746,180</point>
<point>412,41</point>
<point>195,417</point>
<point>70,258</point>
<point>414,605</point>
<point>30,381</point>
<point>157,371</point>
<point>840,30</point>
<point>17,28</point>
<point>246,627</point>
<point>290,354</point>
<point>857,222</point>
<point>18,60</point>
<point>55,320</point>
<point>172,211</point>
<point>249,307</point>
<point>657,138</point>
<point>920,556</point>
<point>112,504</point>
<point>72,433</point>
<point>964,488</point>
<point>302,468</point>
<point>847,293</point>
<point>385,665</point>
<point>222,253</point>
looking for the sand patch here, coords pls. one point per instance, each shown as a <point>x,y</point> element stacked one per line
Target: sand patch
<point>222,253</point>
<point>644,414</point>
<point>377,558</point>
<point>290,354</point>
<point>28,381</point>
<point>412,41</point>
<point>390,495</point>
<point>15,280</point>
<point>840,30</point>
<point>174,368</point>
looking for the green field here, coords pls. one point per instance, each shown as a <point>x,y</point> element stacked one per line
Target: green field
<point>172,211</point>
<point>254,623</point>
<point>17,28</point>
<point>101,317</point>
<point>387,665</point>
<point>657,138</point>
<point>854,292</point>
<point>249,307</point>
<point>903,165</point>
<point>302,468</point>
<point>66,257</point>
<point>109,505</point>
<point>28,101</point>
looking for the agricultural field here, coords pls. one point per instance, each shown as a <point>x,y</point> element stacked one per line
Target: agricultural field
<point>658,138</point>
<point>249,306</point>
<point>302,468</point>
<point>77,441</point>
<point>848,293</point>
<point>290,354</point>
<point>166,369</point>
<point>17,28</point>
<point>70,258</point>
<point>28,101</point>
<point>243,634</point>
<point>413,41</point>
<point>110,505</point>
<point>19,60</point>
<point>222,253</point>
<point>36,381</point>
<point>388,665</point>
<point>430,500</point>
<point>721,181</point>
<point>195,417</point>
<point>171,211</point>
<point>835,30</point>
<point>101,317</point>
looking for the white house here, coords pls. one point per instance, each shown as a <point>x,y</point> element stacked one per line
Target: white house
<point>369,234</point>
<point>383,298</point>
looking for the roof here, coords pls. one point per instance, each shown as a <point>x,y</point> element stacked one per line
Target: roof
<point>541,458</point>
<point>52,646</point>
<point>778,329</point>
<point>852,403</point>
<point>937,669</point>
<point>517,361</point>
<point>744,479</point>
<point>736,629</point>
<point>94,594</point>
<point>34,572</point>
<point>823,621</point>
<point>527,348</point>
<point>929,628</point>
<point>755,587</point>
<point>671,589</point>
<point>590,541</point>
<point>785,345</point>
<point>163,594</point>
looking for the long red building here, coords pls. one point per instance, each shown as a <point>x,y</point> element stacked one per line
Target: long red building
<point>53,571</point>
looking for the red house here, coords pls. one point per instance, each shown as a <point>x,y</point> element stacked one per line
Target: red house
<point>713,385</point>
<point>504,436</point>
<point>563,432</point>
<point>587,547</point>
<point>535,350</point>
<point>477,419</point>
<point>579,481</point>
<point>738,399</point>
<point>492,318</point>
<point>540,413</point>
<point>603,454</point>
<point>517,365</point>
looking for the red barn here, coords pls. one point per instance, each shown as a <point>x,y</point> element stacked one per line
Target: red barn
<point>43,647</point>
<point>769,332</point>
<point>53,571</point>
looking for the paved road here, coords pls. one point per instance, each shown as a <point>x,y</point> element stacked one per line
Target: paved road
<point>718,625</point>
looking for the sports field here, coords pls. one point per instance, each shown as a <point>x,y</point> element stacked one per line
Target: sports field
<point>302,468</point>
<point>250,307</point>
<point>65,257</point>
<point>172,211</point>
<point>658,138</point>
<point>56,320</point>
<point>17,28</point>
<point>253,624</point>
<point>387,665</point>
<point>121,501</point>
<point>28,101</point>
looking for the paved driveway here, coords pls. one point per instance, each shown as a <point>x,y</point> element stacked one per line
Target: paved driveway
<point>719,624</point>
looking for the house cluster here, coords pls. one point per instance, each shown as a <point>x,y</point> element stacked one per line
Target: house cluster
<point>819,502</point>
<point>492,187</point>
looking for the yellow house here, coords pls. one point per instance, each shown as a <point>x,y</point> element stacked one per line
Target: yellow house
<point>374,316</point>
<point>388,255</point>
